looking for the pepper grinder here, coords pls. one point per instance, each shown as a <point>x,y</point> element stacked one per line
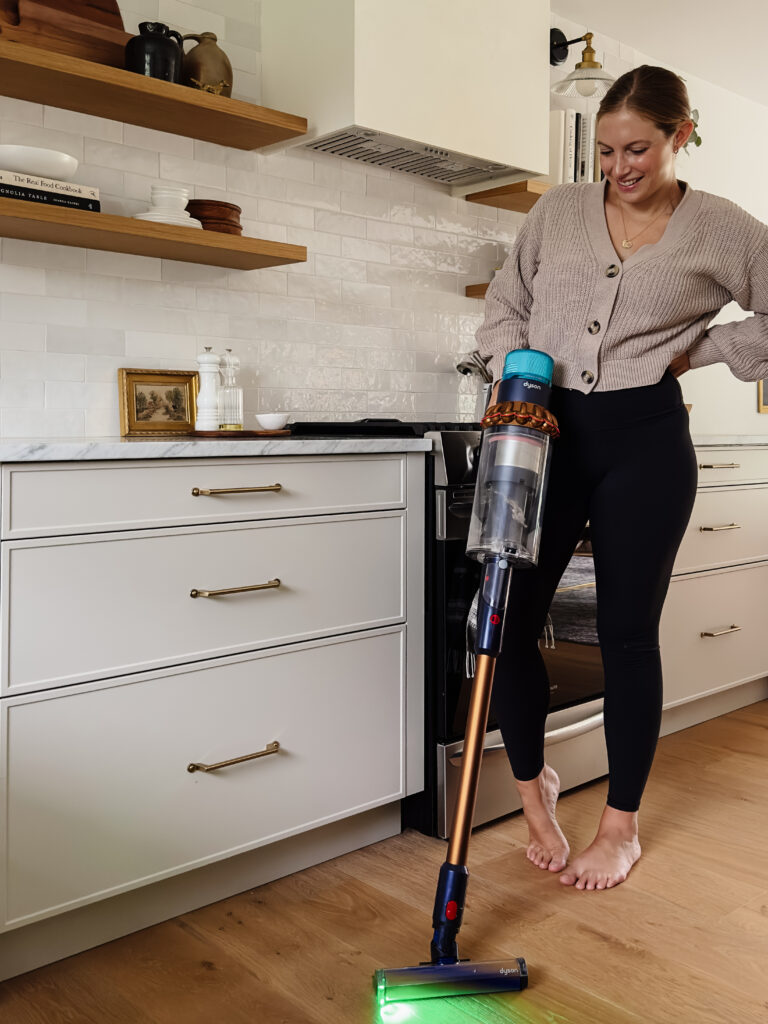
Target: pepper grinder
<point>207,397</point>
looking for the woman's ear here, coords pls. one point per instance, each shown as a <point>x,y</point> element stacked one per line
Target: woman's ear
<point>682,135</point>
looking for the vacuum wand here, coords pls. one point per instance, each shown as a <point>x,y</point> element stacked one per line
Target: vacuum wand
<point>504,534</point>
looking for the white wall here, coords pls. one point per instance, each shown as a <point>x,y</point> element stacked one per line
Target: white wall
<point>372,324</point>
<point>730,162</point>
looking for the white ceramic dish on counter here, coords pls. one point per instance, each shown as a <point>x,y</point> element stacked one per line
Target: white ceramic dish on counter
<point>43,163</point>
<point>272,420</point>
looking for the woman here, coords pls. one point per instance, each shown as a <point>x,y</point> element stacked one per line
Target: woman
<point>617,281</point>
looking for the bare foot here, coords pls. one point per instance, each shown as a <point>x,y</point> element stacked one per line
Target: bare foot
<point>547,846</point>
<point>609,859</point>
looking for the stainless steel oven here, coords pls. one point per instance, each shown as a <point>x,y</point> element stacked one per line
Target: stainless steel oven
<point>574,739</point>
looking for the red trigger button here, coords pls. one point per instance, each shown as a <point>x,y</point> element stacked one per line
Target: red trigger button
<point>451,910</point>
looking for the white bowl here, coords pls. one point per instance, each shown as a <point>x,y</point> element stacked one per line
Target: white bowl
<point>170,198</point>
<point>272,420</point>
<point>44,163</point>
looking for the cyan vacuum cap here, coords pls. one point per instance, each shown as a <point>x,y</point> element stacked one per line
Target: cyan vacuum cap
<point>528,363</point>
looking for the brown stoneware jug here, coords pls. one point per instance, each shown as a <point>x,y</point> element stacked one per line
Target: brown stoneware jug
<point>206,66</point>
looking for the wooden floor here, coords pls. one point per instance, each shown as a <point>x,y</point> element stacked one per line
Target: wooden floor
<point>684,941</point>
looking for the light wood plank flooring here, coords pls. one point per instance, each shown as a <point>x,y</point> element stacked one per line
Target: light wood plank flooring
<point>684,941</point>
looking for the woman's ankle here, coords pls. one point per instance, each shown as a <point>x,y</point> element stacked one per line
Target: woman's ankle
<point>614,822</point>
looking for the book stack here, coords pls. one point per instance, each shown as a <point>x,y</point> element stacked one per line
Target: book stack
<point>15,185</point>
<point>573,154</point>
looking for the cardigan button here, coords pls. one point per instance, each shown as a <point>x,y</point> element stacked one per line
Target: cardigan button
<point>612,271</point>
<point>594,327</point>
<point>587,377</point>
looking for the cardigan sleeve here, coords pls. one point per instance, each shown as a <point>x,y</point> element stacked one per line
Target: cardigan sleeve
<point>743,344</point>
<point>509,296</point>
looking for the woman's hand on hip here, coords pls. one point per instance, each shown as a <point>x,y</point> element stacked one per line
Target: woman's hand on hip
<point>680,365</point>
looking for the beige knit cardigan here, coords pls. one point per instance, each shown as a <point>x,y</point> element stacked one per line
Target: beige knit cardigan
<point>610,325</point>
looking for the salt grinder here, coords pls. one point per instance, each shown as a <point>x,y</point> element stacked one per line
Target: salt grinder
<point>207,397</point>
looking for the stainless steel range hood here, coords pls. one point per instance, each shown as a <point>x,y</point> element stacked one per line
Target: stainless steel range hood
<point>452,91</point>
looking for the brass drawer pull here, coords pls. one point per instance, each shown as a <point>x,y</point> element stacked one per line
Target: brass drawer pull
<point>719,465</point>
<point>271,748</point>
<point>269,585</point>
<point>717,529</point>
<point>722,632</point>
<point>206,491</point>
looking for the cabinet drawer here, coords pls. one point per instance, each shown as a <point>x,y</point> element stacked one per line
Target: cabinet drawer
<point>41,500</point>
<point>89,607</point>
<point>99,798</point>
<point>727,526</point>
<point>695,665</point>
<point>731,465</point>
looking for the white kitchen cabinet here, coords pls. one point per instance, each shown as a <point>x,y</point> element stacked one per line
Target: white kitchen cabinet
<point>115,678</point>
<point>714,620</point>
<point>99,798</point>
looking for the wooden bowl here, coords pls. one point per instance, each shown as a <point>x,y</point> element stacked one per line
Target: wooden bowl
<point>215,215</point>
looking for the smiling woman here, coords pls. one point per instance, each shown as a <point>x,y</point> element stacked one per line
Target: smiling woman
<point>618,282</point>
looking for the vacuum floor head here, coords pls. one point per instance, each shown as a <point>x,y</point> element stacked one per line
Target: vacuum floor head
<point>431,981</point>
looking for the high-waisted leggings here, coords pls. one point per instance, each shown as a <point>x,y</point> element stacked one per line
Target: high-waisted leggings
<point>625,464</point>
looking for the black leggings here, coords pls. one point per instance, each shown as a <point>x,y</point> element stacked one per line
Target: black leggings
<point>625,463</point>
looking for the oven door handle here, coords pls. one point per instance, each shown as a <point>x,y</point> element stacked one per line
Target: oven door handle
<point>566,732</point>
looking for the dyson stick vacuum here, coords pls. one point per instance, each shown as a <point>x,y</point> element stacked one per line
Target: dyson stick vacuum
<point>504,533</point>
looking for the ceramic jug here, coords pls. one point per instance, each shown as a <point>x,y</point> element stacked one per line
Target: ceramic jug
<point>157,52</point>
<point>206,66</point>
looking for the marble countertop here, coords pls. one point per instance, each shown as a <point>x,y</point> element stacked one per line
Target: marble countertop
<point>724,441</point>
<point>80,449</point>
<point>62,449</point>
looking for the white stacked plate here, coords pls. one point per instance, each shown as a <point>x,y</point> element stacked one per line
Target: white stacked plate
<point>168,202</point>
<point>164,216</point>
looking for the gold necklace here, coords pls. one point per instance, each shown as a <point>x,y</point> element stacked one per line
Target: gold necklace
<point>627,242</point>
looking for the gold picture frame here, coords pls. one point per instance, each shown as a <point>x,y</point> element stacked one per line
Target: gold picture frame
<point>157,402</point>
<point>762,396</point>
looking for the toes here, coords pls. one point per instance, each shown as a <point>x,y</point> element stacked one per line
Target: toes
<point>568,878</point>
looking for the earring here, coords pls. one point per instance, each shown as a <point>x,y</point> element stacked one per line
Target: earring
<point>674,150</point>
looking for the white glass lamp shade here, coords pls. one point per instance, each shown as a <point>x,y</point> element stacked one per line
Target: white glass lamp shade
<point>591,82</point>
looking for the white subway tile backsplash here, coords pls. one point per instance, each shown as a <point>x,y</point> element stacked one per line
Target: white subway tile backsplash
<point>348,269</point>
<point>340,224</point>
<point>146,344</point>
<point>122,265</point>
<point>41,366</point>
<point>20,253</point>
<point>75,123</point>
<point>22,337</point>
<point>22,394</point>
<point>21,111</point>
<point>158,142</point>
<point>314,288</point>
<point>43,309</point>
<point>42,423</point>
<point>27,280</point>
<point>99,153</point>
<point>186,16</point>
<point>85,340</point>
<point>76,395</point>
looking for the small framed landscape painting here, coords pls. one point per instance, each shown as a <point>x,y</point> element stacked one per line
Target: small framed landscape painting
<point>157,402</point>
<point>762,396</point>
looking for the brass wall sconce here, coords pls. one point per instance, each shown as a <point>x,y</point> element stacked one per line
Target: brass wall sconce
<point>588,79</point>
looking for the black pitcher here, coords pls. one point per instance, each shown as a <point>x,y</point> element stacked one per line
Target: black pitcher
<point>157,52</point>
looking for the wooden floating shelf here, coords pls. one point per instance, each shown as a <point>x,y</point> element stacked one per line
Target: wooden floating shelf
<point>57,80</point>
<point>63,225</point>
<point>518,197</point>
<point>476,291</point>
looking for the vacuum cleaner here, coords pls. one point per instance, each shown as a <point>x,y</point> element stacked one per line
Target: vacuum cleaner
<point>504,534</point>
